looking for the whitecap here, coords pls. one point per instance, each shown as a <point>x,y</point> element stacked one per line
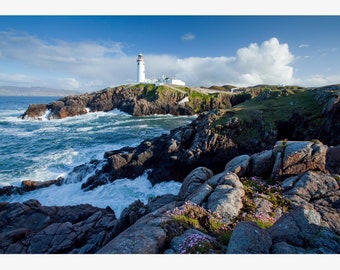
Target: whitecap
<point>117,195</point>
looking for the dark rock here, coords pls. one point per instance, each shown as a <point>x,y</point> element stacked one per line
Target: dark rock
<point>238,165</point>
<point>33,228</point>
<point>29,185</point>
<point>132,213</point>
<point>35,111</point>
<point>261,164</point>
<point>333,159</point>
<point>146,236</point>
<point>303,228</point>
<point>159,201</point>
<point>319,191</point>
<point>284,248</point>
<point>193,181</point>
<point>296,157</point>
<point>248,238</point>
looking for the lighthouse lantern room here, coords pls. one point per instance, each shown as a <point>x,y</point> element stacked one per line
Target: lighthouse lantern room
<point>140,69</point>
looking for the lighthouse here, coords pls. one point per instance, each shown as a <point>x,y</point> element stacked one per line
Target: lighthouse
<point>140,69</point>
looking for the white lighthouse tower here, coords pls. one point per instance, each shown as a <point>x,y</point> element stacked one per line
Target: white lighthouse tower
<point>140,69</point>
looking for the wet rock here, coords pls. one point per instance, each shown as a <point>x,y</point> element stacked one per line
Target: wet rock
<point>29,185</point>
<point>35,111</point>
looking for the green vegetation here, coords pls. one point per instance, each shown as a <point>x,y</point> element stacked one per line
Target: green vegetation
<point>194,216</point>
<point>273,105</point>
<point>268,189</point>
<point>260,115</point>
<point>222,88</point>
<point>198,102</point>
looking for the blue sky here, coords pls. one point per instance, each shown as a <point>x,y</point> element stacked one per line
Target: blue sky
<point>92,52</point>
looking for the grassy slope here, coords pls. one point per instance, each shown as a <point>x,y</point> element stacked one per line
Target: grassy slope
<point>270,107</point>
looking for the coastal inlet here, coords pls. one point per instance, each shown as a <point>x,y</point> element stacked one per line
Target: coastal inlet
<point>47,149</point>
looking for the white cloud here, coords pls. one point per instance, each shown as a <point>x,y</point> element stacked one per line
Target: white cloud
<point>316,80</point>
<point>304,46</point>
<point>84,62</point>
<point>268,63</point>
<point>188,37</point>
<point>90,66</point>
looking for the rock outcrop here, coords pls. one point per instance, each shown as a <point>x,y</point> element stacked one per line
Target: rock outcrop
<point>218,136</point>
<point>232,212</point>
<point>31,228</point>
<point>137,100</point>
<point>310,225</point>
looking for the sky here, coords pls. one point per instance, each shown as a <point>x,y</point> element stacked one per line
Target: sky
<point>88,52</point>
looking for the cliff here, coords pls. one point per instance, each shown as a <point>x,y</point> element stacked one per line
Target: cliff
<point>137,100</point>
<point>219,135</point>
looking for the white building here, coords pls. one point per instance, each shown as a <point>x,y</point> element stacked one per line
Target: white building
<point>140,69</point>
<point>175,81</point>
<point>164,80</point>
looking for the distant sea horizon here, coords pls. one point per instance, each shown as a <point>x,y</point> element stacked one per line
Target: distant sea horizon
<point>39,91</point>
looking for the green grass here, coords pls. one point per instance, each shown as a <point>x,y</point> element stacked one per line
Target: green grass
<point>278,107</point>
<point>262,113</point>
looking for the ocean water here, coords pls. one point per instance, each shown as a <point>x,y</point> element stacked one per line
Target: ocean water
<point>47,149</point>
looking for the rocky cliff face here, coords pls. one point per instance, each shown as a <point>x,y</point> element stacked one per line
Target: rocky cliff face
<point>217,136</point>
<point>137,100</point>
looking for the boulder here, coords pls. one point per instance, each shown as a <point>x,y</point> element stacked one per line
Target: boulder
<point>249,238</point>
<point>30,227</point>
<point>226,199</point>
<point>261,164</point>
<point>303,228</point>
<point>310,187</point>
<point>319,191</point>
<point>35,111</point>
<point>146,236</point>
<point>29,185</point>
<point>238,165</point>
<point>333,159</point>
<point>195,242</point>
<point>297,157</point>
<point>193,181</point>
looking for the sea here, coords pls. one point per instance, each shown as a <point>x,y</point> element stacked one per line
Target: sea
<point>45,149</point>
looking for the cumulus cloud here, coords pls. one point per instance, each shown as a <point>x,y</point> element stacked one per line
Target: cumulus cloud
<point>268,63</point>
<point>188,37</point>
<point>90,66</point>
